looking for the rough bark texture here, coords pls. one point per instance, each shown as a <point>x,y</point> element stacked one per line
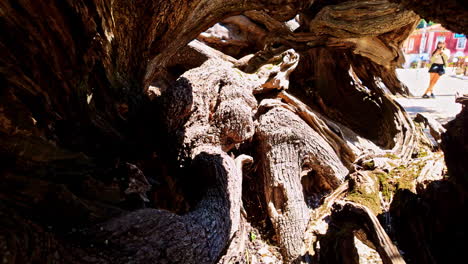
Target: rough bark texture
<point>452,13</point>
<point>209,110</point>
<point>197,237</point>
<point>73,74</point>
<point>210,105</point>
<point>455,146</point>
<point>290,149</point>
<point>118,138</point>
<point>237,36</point>
<point>104,52</point>
<point>437,213</point>
<point>435,128</point>
<point>360,216</point>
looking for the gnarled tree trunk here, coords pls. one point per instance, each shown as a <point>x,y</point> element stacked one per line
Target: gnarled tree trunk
<point>121,142</point>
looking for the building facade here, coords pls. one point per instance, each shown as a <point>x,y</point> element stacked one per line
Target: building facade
<point>422,42</point>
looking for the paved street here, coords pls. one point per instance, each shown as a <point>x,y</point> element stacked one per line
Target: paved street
<point>443,108</point>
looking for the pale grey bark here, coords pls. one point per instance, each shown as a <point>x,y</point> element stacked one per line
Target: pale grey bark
<point>288,150</point>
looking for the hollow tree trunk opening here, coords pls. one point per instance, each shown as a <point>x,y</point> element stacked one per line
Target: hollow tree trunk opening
<point>122,140</point>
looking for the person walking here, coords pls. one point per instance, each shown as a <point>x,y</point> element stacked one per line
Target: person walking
<point>439,60</point>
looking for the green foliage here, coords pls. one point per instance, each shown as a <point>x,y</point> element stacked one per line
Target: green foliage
<point>404,176</point>
<point>371,200</point>
<point>423,23</point>
<point>391,156</point>
<point>369,164</point>
<point>401,177</point>
<point>252,236</point>
<point>422,154</point>
<point>385,185</point>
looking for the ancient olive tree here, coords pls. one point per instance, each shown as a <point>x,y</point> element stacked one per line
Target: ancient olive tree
<point>125,140</point>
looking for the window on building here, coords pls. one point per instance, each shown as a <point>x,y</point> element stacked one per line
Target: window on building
<point>422,46</point>
<point>410,44</point>
<point>440,38</point>
<point>461,43</point>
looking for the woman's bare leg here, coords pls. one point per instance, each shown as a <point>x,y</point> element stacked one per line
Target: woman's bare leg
<point>434,77</point>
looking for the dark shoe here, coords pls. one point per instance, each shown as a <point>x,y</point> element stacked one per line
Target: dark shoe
<point>425,96</point>
<point>432,95</point>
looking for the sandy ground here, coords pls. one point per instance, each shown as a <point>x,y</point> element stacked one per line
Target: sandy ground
<point>443,108</point>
